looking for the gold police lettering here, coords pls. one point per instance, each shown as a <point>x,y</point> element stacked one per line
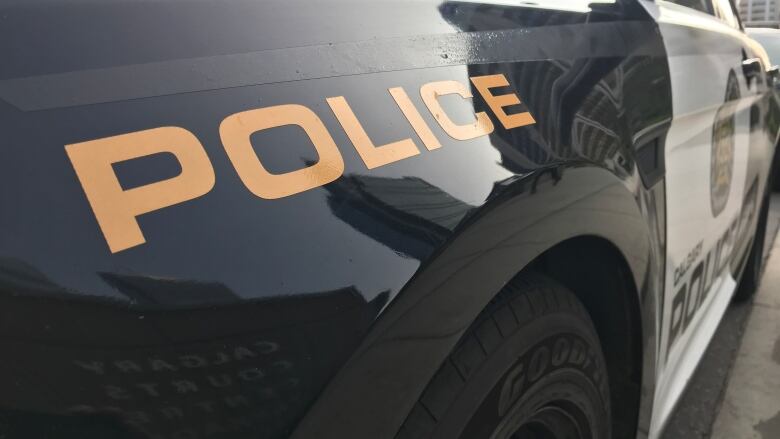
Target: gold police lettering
<point>117,209</point>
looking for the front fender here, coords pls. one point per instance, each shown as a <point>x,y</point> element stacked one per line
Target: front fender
<point>372,394</point>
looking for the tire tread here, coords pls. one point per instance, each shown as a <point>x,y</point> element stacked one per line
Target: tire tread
<point>523,300</point>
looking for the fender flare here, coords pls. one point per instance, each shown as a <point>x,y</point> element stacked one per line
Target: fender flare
<point>375,390</point>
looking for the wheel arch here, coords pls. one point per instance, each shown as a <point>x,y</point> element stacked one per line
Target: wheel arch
<point>527,223</point>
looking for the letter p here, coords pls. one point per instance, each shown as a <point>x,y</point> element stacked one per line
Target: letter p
<point>116,209</point>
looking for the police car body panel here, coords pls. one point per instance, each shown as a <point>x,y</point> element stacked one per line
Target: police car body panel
<point>707,52</point>
<point>276,219</point>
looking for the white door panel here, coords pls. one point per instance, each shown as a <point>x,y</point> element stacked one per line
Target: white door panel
<point>706,157</point>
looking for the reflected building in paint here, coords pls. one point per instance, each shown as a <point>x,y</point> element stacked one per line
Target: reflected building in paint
<point>408,215</point>
<point>576,102</point>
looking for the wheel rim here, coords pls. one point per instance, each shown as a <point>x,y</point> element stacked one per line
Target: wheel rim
<point>555,421</point>
<point>562,406</point>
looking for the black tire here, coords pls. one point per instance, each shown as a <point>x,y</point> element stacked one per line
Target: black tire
<point>530,366</point>
<point>754,267</point>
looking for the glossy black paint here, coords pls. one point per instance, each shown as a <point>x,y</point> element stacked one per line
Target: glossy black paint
<point>325,313</point>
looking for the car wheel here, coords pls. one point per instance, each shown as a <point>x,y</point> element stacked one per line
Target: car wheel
<point>754,267</point>
<point>530,366</point>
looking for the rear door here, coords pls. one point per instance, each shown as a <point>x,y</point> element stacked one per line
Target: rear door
<point>715,81</point>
